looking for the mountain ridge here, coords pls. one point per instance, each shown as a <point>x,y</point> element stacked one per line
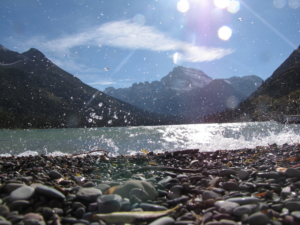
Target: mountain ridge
<point>38,94</point>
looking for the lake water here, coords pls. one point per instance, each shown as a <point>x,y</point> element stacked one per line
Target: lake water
<point>131,140</point>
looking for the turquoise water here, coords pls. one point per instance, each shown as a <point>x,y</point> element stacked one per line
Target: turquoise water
<point>131,140</point>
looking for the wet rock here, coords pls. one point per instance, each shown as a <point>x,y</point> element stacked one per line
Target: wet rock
<point>245,200</point>
<point>210,195</point>
<point>152,207</point>
<point>292,205</point>
<point>109,203</point>
<point>139,193</point>
<point>49,192</point>
<point>22,193</point>
<point>124,190</point>
<point>88,194</point>
<point>53,174</point>
<point>258,219</point>
<point>227,172</point>
<point>226,207</point>
<point>4,210</point>
<point>10,187</point>
<point>230,186</point>
<point>243,174</point>
<point>291,172</point>
<point>244,209</point>
<point>296,215</point>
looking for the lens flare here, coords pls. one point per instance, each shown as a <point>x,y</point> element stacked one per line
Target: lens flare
<point>139,19</point>
<point>183,6</point>
<point>294,4</point>
<point>221,3</point>
<point>279,3</point>
<point>224,33</point>
<point>233,6</point>
<point>176,58</point>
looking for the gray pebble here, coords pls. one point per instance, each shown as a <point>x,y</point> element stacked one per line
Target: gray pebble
<point>4,210</point>
<point>88,194</point>
<point>243,174</point>
<point>18,203</point>
<point>139,193</point>
<point>209,195</point>
<point>109,203</point>
<point>244,201</point>
<point>296,215</point>
<point>53,174</point>
<point>242,210</point>
<point>152,207</point>
<point>89,184</point>
<point>49,192</point>
<point>227,172</point>
<point>5,222</point>
<point>230,186</point>
<point>34,222</point>
<point>166,220</point>
<point>291,172</point>
<point>258,219</point>
<point>22,193</point>
<point>292,205</point>
<point>227,222</point>
<point>12,186</point>
<point>226,207</point>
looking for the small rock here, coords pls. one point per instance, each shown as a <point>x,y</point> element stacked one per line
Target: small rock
<point>291,172</point>
<point>4,210</point>
<point>244,201</point>
<point>124,190</point>
<point>258,219</point>
<point>88,194</point>
<point>209,195</point>
<point>292,205</point>
<point>296,215</point>
<point>49,192</point>
<point>139,193</point>
<point>243,175</point>
<point>53,174</point>
<point>226,207</point>
<point>22,193</point>
<point>166,220</point>
<point>109,203</point>
<point>230,186</point>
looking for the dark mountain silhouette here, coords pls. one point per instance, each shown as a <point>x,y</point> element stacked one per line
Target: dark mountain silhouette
<point>278,95</point>
<point>35,93</point>
<point>188,93</point>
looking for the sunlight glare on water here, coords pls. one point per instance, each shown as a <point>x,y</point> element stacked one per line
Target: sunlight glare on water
<point>131,140</point>
<point>233,7</point>
<point>221,3</point>
<point>279,3</point>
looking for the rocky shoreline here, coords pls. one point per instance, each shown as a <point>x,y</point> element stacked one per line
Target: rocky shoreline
<point>226,187</point>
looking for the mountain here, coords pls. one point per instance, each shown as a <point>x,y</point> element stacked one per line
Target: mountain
<point>278,95</point>
<point>188,93</point>
<point>35,93</point>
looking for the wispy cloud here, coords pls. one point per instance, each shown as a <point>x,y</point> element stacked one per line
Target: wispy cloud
<point>128,35</point>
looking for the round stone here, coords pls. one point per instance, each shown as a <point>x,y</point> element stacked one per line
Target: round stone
<point>292,205</point>
<point>258,219</point>
<point>243,174</point>
<point>226,207</point>
<point>230,186</point>
<point>88,194</point>
<point>53,174</point>
<point>22,193</point>
<point>4,210</point>
<point>18,203</point>
<point>109,203</point>
<point>296,215</point>
<point>209,195</point>
<point>151,207</point>
<point>242,210</point>
<point>166,220</point>
<point>49,192</point>
<point>124,190</point>
<point>244,201</point>
<point>139,193</point>
<point>291,172</point>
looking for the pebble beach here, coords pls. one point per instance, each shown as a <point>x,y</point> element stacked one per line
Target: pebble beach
<point>225,187</point>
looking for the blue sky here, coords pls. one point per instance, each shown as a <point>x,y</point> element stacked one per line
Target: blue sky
<point>142,40</point>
